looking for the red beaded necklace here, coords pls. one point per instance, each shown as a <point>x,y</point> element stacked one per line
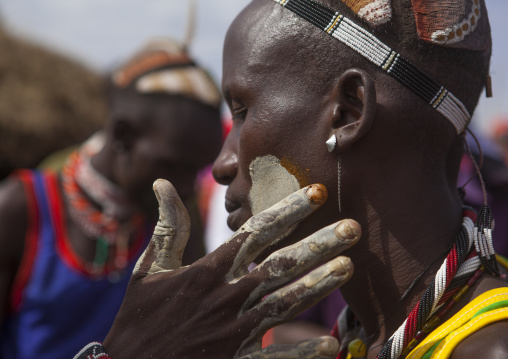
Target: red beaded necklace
<point>98,224</point>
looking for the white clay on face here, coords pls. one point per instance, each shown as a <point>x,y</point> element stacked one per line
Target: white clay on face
<point>271,182</point>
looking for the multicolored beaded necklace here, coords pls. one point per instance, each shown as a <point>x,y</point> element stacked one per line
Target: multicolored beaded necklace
<point>470,256</point>
<point>81,182</point>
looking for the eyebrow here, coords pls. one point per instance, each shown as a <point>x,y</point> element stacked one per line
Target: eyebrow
<point>366,44</point>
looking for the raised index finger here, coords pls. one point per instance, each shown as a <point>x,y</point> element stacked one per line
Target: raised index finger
<point>271,225</point>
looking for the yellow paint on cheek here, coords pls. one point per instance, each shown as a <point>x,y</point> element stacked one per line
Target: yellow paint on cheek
<point>302,175</point>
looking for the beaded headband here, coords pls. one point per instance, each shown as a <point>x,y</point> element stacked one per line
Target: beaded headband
<point>360,40</point>
<point>164,66</point>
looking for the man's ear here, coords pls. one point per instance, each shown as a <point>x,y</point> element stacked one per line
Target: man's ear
<point>124,134</point>
<point>355,104</point>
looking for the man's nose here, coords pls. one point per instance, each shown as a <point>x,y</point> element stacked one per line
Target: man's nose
<point>225,166</point>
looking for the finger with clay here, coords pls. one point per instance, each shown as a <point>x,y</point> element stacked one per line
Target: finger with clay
<point>215,308</point>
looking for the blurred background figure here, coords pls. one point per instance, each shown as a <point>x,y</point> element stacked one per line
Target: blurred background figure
<point>69,241</point>
<point>211,204</point>
<point>499,133</point>
<point>47,102</point>
<point>491,152</point>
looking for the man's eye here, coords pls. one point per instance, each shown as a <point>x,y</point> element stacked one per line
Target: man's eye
<point>239,113</point>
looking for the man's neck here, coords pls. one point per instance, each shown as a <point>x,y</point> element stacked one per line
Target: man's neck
<point>404,242</point>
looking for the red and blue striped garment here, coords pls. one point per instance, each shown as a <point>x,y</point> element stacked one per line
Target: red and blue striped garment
<point>57,307</point>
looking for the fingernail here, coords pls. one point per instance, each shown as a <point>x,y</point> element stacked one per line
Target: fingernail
<point>349,231</point>
<point>329,345</point>
<point>155,188</point>
<point>317,194</point>
<point>325,346</point>
<point>345,262</point>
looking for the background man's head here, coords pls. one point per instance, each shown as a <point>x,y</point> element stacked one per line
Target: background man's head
<point>165,121</point>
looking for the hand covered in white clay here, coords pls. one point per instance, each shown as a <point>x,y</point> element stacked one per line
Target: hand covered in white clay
<point>215,308</point>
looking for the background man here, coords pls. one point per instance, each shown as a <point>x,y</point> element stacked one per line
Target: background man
<point>69,241</point>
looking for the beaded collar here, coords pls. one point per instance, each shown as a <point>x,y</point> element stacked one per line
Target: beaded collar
<point>366,44</point>
<point>101,190</point>
<point>81,182</point>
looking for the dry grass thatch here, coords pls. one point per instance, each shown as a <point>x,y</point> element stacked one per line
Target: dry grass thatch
<point>47,102</point>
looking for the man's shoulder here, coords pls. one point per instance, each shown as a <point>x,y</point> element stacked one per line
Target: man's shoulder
<point>13,216</point>
<point>490,339</point>
<point>13,224</point>
<point>12,196</point>
<point>489,342</point>
<point>18,192</point>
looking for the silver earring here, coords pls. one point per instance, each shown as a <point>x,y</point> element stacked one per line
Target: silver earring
<point>339,174</point>
<point>331,143</point>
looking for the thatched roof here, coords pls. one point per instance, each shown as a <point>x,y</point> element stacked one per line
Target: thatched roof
<point>47,102</point>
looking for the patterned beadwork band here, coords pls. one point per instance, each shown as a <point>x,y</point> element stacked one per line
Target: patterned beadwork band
<point>360,40</point>
<point>94,350</point>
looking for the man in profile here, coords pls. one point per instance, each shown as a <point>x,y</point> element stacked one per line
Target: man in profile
<point>371,99</point>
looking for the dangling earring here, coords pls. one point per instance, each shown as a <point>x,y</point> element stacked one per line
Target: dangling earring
<point>331,143</point>
<point>339,174</point>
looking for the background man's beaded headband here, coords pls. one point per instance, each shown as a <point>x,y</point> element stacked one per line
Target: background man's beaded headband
<point>360,40</point>
<point>163,65</point>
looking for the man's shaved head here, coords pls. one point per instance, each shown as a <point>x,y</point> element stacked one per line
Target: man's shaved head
<point>461,71</point>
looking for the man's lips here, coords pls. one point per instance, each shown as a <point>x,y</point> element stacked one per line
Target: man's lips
<point>231,205</point>
<point>234,220</point>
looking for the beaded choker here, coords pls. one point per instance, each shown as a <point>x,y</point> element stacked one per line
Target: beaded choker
<point>108,195</point>
<point>360,40</point>
<point>81,182</point>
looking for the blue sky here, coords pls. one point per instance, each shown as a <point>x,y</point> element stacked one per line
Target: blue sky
<point>103,32</point>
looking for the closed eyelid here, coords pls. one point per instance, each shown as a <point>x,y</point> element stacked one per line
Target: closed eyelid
<point>239,113</point>
<point>238,108</point>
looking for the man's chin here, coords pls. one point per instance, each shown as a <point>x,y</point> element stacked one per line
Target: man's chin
<point>236,219</point>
